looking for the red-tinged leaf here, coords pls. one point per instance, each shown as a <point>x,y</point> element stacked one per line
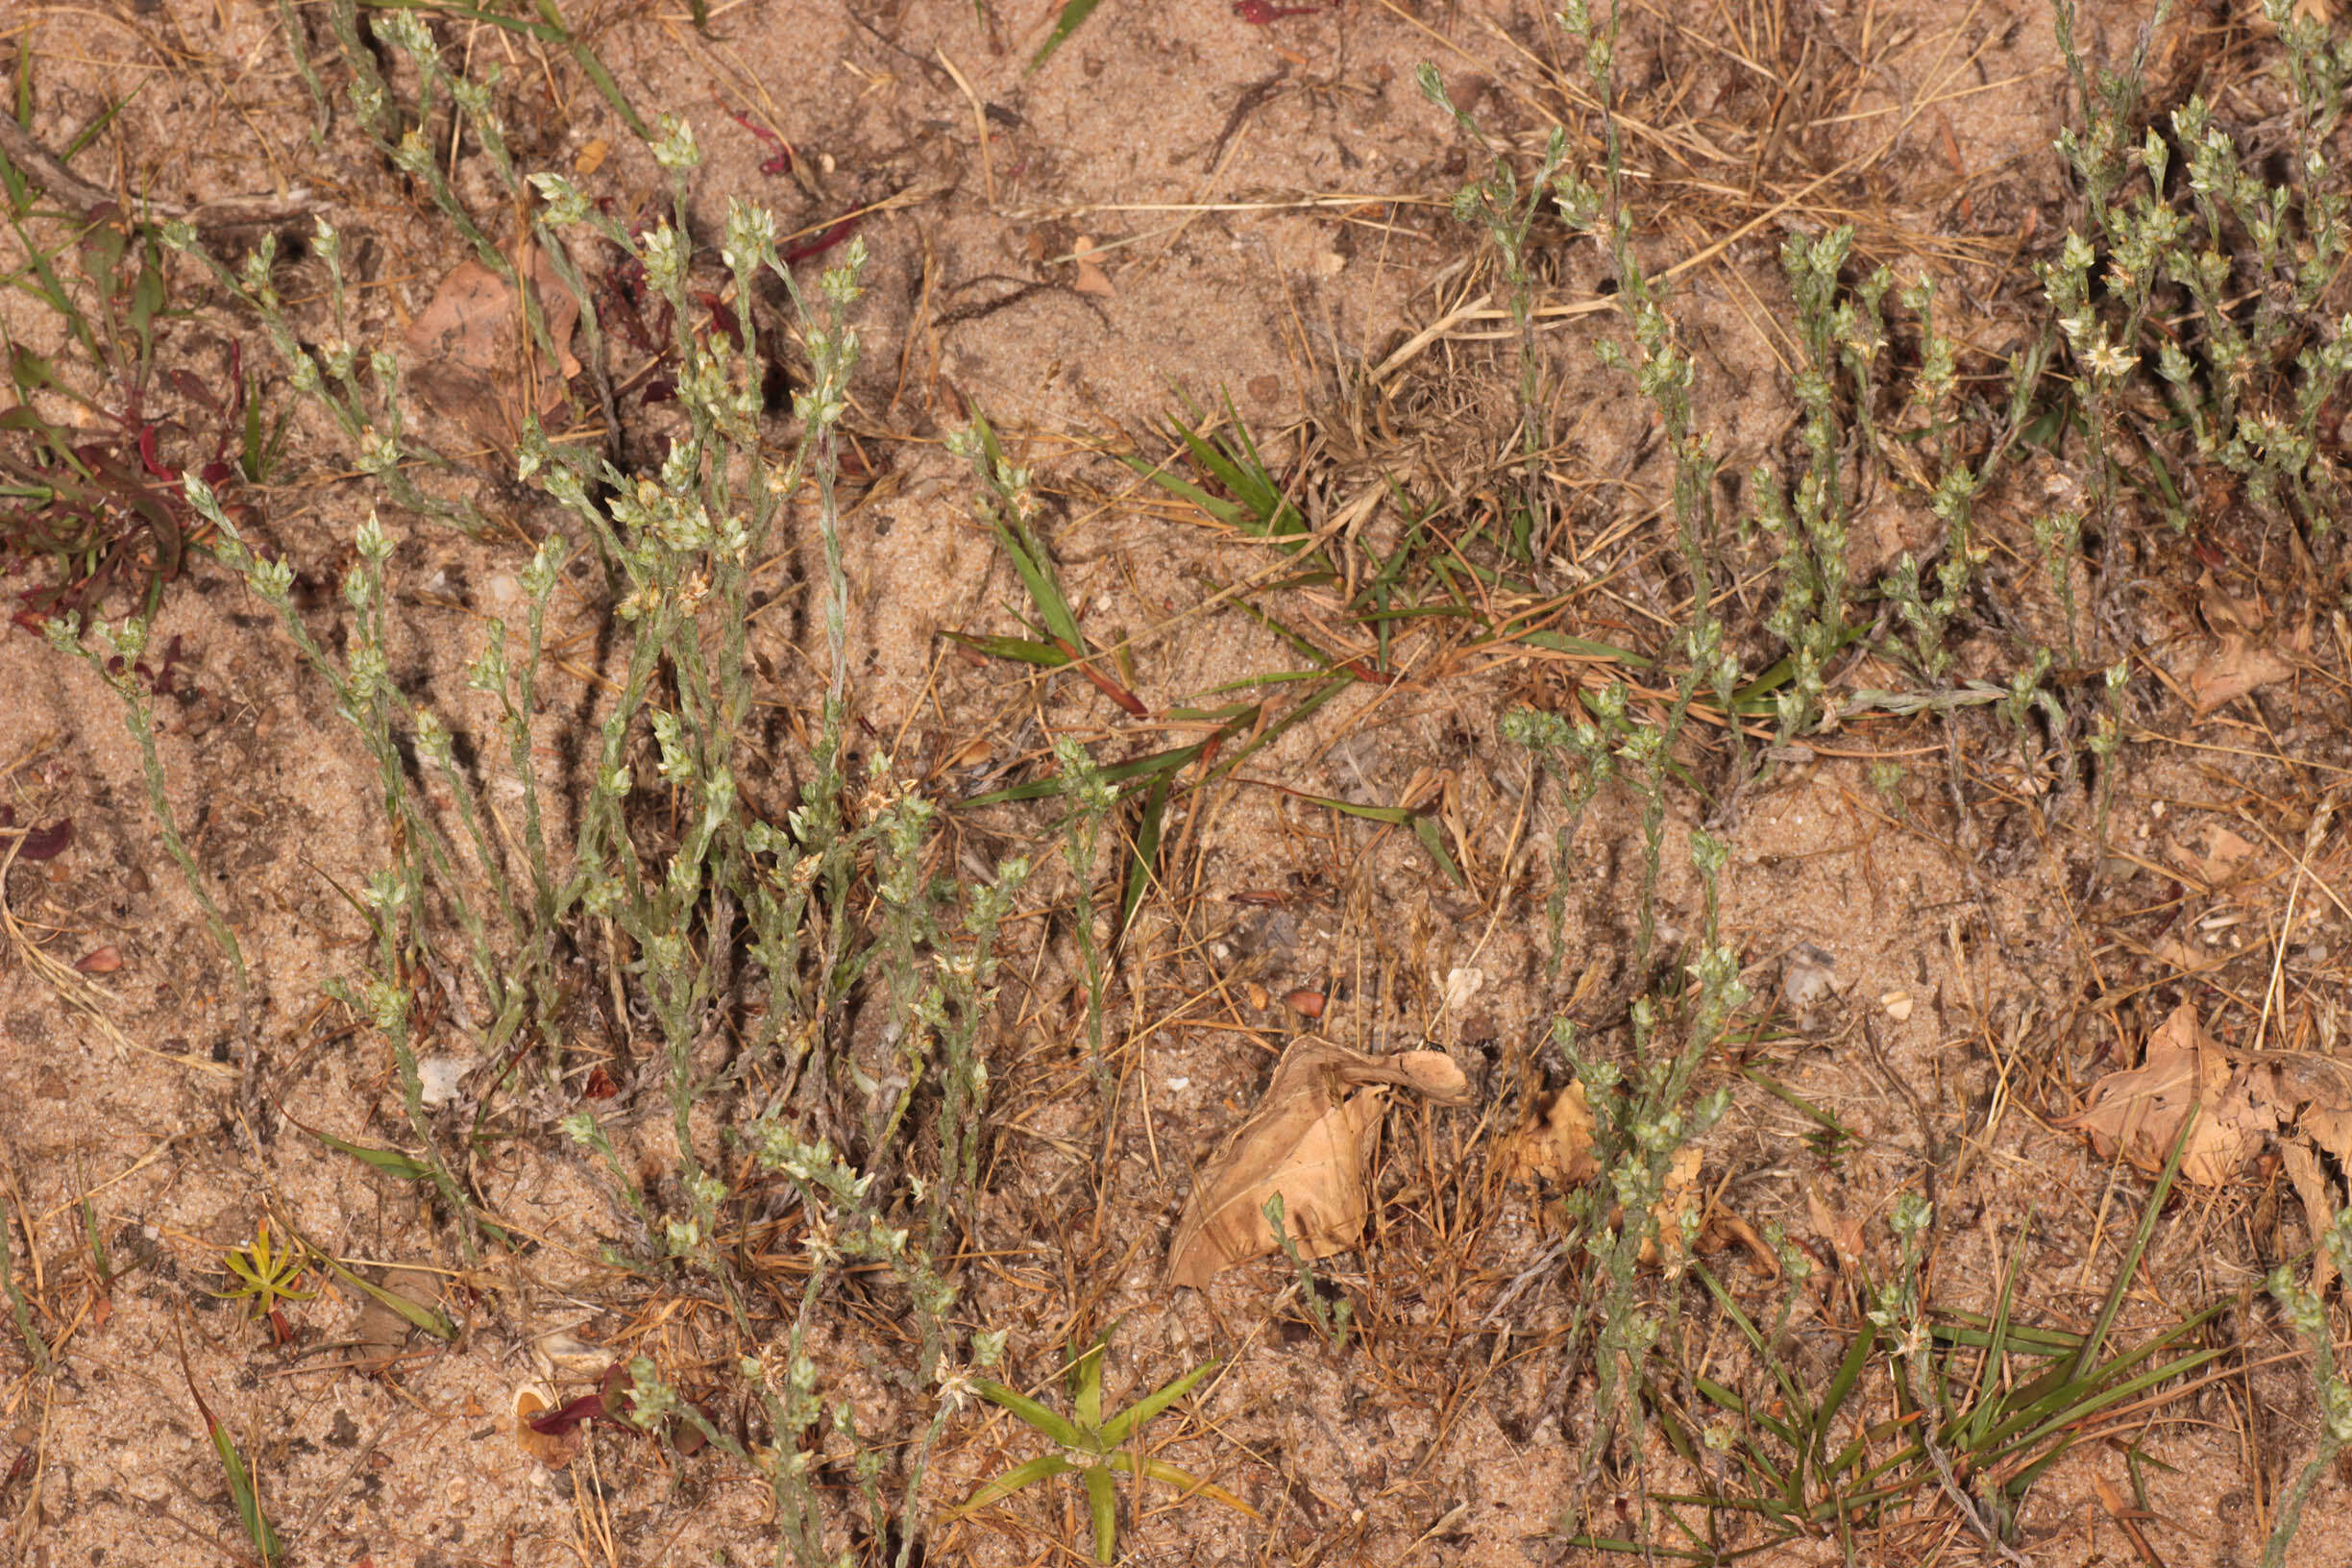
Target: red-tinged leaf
<point>46,842</point>
<point>1104,684</point>
<point>149,456</point>
<point>105,960</point>
<point>185,383</point>
<point>1259,13</point>
<point>780,159</point>
<point>562,1419</point>
<point>822,242</point>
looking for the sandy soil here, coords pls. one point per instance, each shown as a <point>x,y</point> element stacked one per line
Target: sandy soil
<point>1264,204</point>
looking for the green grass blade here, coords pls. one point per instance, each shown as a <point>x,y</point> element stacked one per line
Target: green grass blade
<point>1014,1479</point>
<point>1102,1503</point>
<point>1163,1471</point>
<point>1274,731</point>
<point>2098,1336</point>
<point>1036,572</point>
<point>97,128</point>
<point>1051,1423</point>
<point>1763,1352</point>
<point>1142,863</point>
<point>416,1313</point>
<point>473,13</point>
<point>1085,1386</point>
<point>1426,830</point>
<point>1119,772</point>
<point>1848,1373</point>
<point>1997,1347</point>
<point>1716,1393</point>
<point>1115,1430</point>
<point>1073,15</point>
<point>1021,649</point>
<point>248,1499</point>
<point>595,69</point>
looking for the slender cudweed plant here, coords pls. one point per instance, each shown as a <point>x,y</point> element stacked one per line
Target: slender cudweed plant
<point>2308,1316</point>
<point>741,943</point>
<point>1499,203</point>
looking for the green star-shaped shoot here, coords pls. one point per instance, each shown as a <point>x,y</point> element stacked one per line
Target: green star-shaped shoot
<point>1092,1446</point>
<point>270,1276</point>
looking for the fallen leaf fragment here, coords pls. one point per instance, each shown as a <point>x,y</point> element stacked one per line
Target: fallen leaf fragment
<point>1833,1225</point>
<point>2127,1520</point>
<point>2226,858</point>
<point>1681,1188</point>
<point>2240,661</point>
<point>1809,977</point>
<point>1555,1143</point>
<point>555,1448</point>
<point>1091,278</point>
<point>2139,1111</point>
<point>473,358</point>
<point>1311,1139</point>
<point>1723,1230</point>
<point>2311,1185</point>
<point>2239,666</point>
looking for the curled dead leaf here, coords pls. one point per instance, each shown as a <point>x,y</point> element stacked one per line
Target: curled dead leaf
<point>2311,1185</point>
<point>1311,1139</point>
<point>532,1402</point>
<point>1091,278</point>
<point>2140,1111</point>
<point>1681,1190</point>
<point>1555,1143</point>
<point>473,358</point>
<point>1725,1229</point>
<point>2227,857</point>
<point>2240,661</point>
<point>2236,666</point>
<point>1833,1225</point>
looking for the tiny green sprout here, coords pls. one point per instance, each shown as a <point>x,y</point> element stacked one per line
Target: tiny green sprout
<point>1090,1445</point>
<point>270,1276</point>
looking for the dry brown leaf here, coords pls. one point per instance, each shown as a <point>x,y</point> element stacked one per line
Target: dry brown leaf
<point>2238,666</point>
<point>1554,1143</point>
<point>2319,1206</point>
<point>2226,858</point>
<point>2330,1126</point>
<point>1091,278</point>
<point>1309,1139</point>
<point>1681,1188</point>
<point>555,1449</point>
<point>1723,1228</point>
<point>1833,1225</point>
<point>2141,1110</point>
<point>2240,661</point>
<point>472,359</point>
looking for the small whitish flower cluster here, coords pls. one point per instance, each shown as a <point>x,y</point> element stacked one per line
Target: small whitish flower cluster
<point>809,1166</point>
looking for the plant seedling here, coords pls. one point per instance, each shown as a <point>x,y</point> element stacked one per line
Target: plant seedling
<point>1090,1445</point>
<point>270,1276</point>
